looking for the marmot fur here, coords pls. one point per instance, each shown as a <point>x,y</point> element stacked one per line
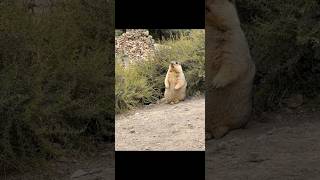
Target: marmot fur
<point>229,70</point>
<point>175,84</point>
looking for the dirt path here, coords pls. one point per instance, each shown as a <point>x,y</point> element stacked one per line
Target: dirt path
<point>163,127</point>
<point>98,166</point>
<point>285,146</point>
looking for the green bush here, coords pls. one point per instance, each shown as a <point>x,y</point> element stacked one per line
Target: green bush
<point>56,90</point>
<point>132,88</point>
<point>284,37</point>
<point>144,83</point>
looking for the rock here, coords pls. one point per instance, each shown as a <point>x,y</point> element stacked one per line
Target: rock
<point>78,174</point>
<point>256,158</point>
<point>135,45</point>
<point>294,101</point>
<point>175,131</point>
<point>95,171</point>
<point>132,131</point>
<point>270,132</point>
<point>92,174</point>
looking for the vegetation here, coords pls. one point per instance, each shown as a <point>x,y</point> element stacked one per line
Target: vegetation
<point>143,83</point>
<point>56,88</point>
<point>284,37</point>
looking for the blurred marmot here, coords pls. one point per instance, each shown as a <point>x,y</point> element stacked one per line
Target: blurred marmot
<point>175,84</point>
<point>229,70</point>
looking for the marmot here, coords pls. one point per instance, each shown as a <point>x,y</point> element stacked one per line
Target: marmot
<point>229,70</point>
<point>175,84</point>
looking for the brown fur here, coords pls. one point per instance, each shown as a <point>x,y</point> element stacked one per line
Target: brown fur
<point>175,84</point>
<point>229,70</point>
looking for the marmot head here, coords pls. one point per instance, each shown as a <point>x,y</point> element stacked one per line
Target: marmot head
<point>175,67</point>
<point>222,14</point>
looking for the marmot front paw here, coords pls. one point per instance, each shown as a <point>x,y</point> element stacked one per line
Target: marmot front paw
<point>176,88</point>
<point>218,83</point>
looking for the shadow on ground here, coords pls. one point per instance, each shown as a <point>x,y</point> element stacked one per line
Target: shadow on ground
<point>282,145</point>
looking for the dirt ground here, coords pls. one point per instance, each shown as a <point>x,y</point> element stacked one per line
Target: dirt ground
<point>163,127</point>
<point>98,166</point>
<point>281,145</point>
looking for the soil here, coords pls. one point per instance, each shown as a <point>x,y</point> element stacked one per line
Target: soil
<point>281,145</point>
<point>98,166</point>
<point>163,127</point>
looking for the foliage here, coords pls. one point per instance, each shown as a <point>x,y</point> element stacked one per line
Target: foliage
<point>56,88</point>
<point>284,37</point>
<point>132,88</point>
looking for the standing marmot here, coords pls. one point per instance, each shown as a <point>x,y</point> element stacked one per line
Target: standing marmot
<point>229,70</point>
<point>175,84</point>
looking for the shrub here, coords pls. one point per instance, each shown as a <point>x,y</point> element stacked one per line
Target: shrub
<point>284,37</point>
<point>132,88</point>
<point>56,90</point>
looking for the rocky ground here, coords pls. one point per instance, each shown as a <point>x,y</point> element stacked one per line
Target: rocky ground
<point>98,166</point>
<point>163,127</point>
<point>280,145</point>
